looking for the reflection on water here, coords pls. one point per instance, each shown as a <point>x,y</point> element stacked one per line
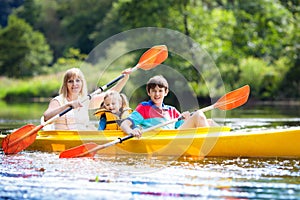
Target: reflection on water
<point>36,175</point>
<point>251,124</point>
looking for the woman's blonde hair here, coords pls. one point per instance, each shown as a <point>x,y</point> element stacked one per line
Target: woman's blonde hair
<point>73,73</point>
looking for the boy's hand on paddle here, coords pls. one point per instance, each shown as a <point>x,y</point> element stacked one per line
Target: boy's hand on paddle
<point>186,114</point>
<point>137,132</point>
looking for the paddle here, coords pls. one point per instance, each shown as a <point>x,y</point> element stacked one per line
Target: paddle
<point>90,149</point>
<point>229,101</point>
<point>25,136</point>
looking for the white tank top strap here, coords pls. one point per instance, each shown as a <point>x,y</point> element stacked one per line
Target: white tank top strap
<point>75,119</point>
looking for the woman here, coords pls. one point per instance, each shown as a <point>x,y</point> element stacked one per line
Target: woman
<point>71,94</point>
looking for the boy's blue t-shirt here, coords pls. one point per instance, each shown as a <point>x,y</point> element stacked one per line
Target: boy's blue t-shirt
<point>147,115</point>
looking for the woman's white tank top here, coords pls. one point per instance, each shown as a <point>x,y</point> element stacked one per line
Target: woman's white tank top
<point>75,119</point>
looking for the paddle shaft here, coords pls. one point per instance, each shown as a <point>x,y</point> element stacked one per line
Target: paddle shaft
<point>31,132</point>
<point>151,58</point>
<point>230,100</point>
<point>101,89</point>
<point>51,120</point>
<point>205,109</point>
<point>120,140</point>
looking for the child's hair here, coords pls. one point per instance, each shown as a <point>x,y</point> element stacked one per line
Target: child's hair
<point>121,98</point>
<point>159,81</point>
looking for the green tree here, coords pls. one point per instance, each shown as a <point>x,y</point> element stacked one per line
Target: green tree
<point>6,8</point>
<point>264,29</point>
<point>232,31</point>
<point>23,51</point>
<point>290,87</point>
<point>80,19</point>
<point>67,24</point>
<point>44,16</point>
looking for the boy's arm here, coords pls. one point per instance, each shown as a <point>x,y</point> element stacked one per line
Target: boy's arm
<point>126,127</point>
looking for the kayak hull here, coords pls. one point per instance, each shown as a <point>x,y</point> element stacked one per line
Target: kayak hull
<point>200,142</point>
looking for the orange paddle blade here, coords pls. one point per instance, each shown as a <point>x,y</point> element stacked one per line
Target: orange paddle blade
<point>233,99</point>
<point>153,57</point>
<point>20,139</point>
<point>79,150</point>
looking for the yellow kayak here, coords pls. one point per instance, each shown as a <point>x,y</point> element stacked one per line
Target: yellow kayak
<point>213,141</point>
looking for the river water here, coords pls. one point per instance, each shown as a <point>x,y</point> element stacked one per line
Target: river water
<point>39,175</point>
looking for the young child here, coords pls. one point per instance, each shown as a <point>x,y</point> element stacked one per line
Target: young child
<point>113,109</point>
<point>154,111</point>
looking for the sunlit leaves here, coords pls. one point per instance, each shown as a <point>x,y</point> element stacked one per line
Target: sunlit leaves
<point>23,51</point>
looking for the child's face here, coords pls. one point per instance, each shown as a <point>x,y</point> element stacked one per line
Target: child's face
<point>157,95</point>
<point>112,104</point>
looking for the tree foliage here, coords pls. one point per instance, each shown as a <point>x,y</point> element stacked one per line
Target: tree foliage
<point>6,7</point>
<point>242,36</point>
<point>23,51</point>
<point>66,24</point>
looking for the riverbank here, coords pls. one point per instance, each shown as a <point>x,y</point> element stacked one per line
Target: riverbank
<point>41,89</point>
<point>286,102</point>
<point>204,101</point>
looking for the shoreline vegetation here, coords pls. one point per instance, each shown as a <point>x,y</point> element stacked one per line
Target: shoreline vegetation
<point>251,102</point>
<point>286,102</point>
<point>41,89</point>
<point>277,103</point>
<point>265,56</point>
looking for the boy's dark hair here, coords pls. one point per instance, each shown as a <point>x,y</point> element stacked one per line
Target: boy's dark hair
<point>159,81</point>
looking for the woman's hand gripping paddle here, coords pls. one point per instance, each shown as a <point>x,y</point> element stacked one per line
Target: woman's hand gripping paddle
<point>25,136</point>
<point>229,101</point>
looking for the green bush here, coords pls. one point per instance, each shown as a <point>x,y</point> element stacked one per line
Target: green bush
<point>263,78</point>
<point>26,90</point>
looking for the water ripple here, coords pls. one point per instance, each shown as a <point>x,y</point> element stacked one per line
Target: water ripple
<point>37,175</point>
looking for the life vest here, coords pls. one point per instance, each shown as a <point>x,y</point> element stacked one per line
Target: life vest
<point>112,119</point>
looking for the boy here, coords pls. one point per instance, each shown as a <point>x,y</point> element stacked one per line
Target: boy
<point>154,111</point>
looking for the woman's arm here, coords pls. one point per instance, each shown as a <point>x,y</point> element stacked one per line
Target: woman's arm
<point>98,99</point>
<point>55,108</point>
<point>119,86</point>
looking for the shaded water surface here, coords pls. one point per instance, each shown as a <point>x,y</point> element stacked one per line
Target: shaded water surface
<point>38,175</point>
